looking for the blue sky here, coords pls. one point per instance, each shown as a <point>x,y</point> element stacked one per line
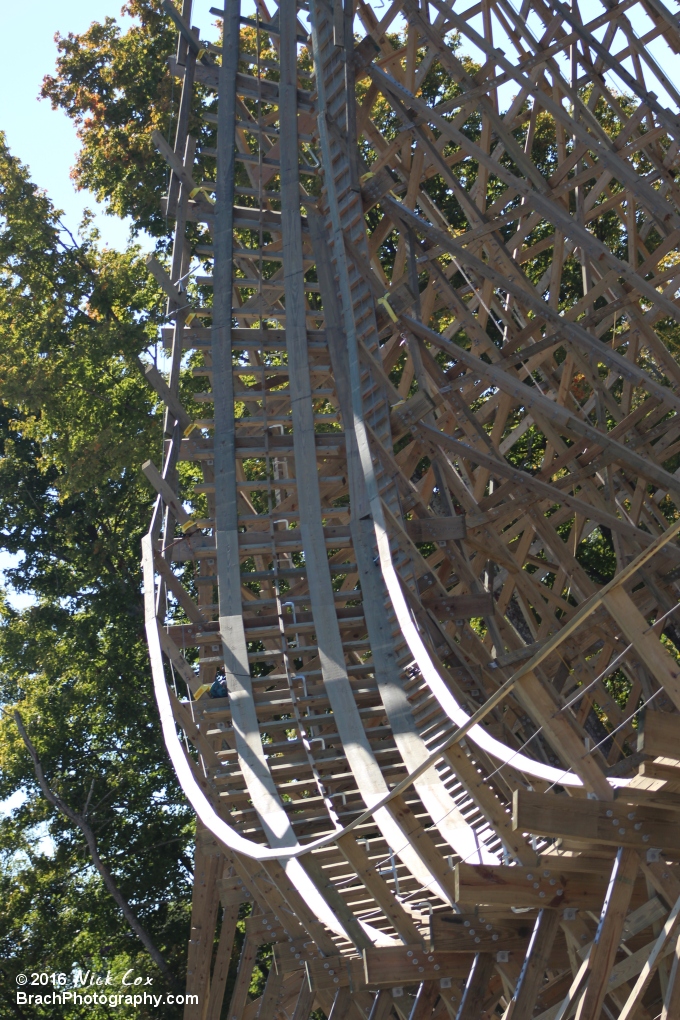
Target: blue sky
<point>43,138</point>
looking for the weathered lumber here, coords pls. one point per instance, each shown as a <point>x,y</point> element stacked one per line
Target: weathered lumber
<point>438,503</point>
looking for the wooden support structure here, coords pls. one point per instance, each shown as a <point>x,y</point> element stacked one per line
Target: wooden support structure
<point>426,266</point>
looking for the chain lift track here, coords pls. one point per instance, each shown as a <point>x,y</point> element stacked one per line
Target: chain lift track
<point>434,478</point>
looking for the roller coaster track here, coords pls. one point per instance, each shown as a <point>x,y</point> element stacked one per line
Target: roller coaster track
<point>426,533</point>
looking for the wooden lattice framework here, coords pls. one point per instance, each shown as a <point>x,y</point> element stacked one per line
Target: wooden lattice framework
<point>439,561</point>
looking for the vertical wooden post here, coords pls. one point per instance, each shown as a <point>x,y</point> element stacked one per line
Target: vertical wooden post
<point>207,867</point>
<point>220,973</point>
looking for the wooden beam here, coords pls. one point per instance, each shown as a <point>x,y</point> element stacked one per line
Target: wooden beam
<point>645,642</point>
<point>461,607</point>
<point>488,803</point>
<point>155,379</point>
<point>436,529</point>
<point>390,967</point>
<point>618,824</point>
<point>342,1004</point>
<point>207,867</point>
<point>536,961</point>
<point>550,884</point>
<point>273,991</point>
<point>239,995</point>
<point>378,888</point>
<point>671,1002</point>
<point>382,1005</point>
<point>426,999</point>
<point>478,932</point>
<point>608,934</point>
<point>334,972</point>
<point>647,972</point>
<point>659,736</point>
<point>304,1003</point>
<point>476,987</point>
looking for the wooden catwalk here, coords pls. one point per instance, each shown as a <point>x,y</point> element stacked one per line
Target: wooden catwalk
<point>413,567</point>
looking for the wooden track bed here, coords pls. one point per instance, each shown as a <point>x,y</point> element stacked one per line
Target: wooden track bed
<point>432,453</point>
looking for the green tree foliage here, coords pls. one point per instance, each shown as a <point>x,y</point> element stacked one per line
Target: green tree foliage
<point>117,88</point>
<point>76,418</point>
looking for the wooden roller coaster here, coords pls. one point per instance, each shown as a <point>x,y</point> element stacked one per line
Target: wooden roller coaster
<point>410,584</point>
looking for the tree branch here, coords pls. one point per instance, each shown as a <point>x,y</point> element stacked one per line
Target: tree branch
<point>89,798</point>
<point>91,841</point>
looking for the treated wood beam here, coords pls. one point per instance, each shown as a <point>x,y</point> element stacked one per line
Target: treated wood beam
<point>476,987</point>
<point>536,961</point>
<point>608,934</point>
<point>612,824</point>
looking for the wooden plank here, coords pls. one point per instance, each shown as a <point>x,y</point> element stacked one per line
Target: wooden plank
<point>294,908</point>
<point>290,956</point>
<point>207,866</point>
<point>169,498</point>
<point>239,995</point>
<point>342,1004</point>
<point>561,730</point>
<point>436,529</point>
<point>476,988</point>
<point>488,803</point>
<point>671,1002</point>
<point>608,934</point>
<point>328,890</point>
<point>182,596</point>
<point>645,642</point>
<point>218,981</point>
<point>536,961</point>
<point>264,928</point>
<point>304,1003</point>
<point>619,825</point>
<point>540,886</point>
<point>273,991</point>
<point>461,607</point>
<point>233,891</point>
<point>155,379</point>
<point>391,967</point>
<point>647,972</point>
<point>423,845</point>
<point>378,888</point>
<point>654,773</point>
<point>478,933</point>
<point>333,972</point>
<point>427,996</point>
<point>382,1005</point>
<point>659,735</point>
<point>410,411</point>
<point>664,878</point>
